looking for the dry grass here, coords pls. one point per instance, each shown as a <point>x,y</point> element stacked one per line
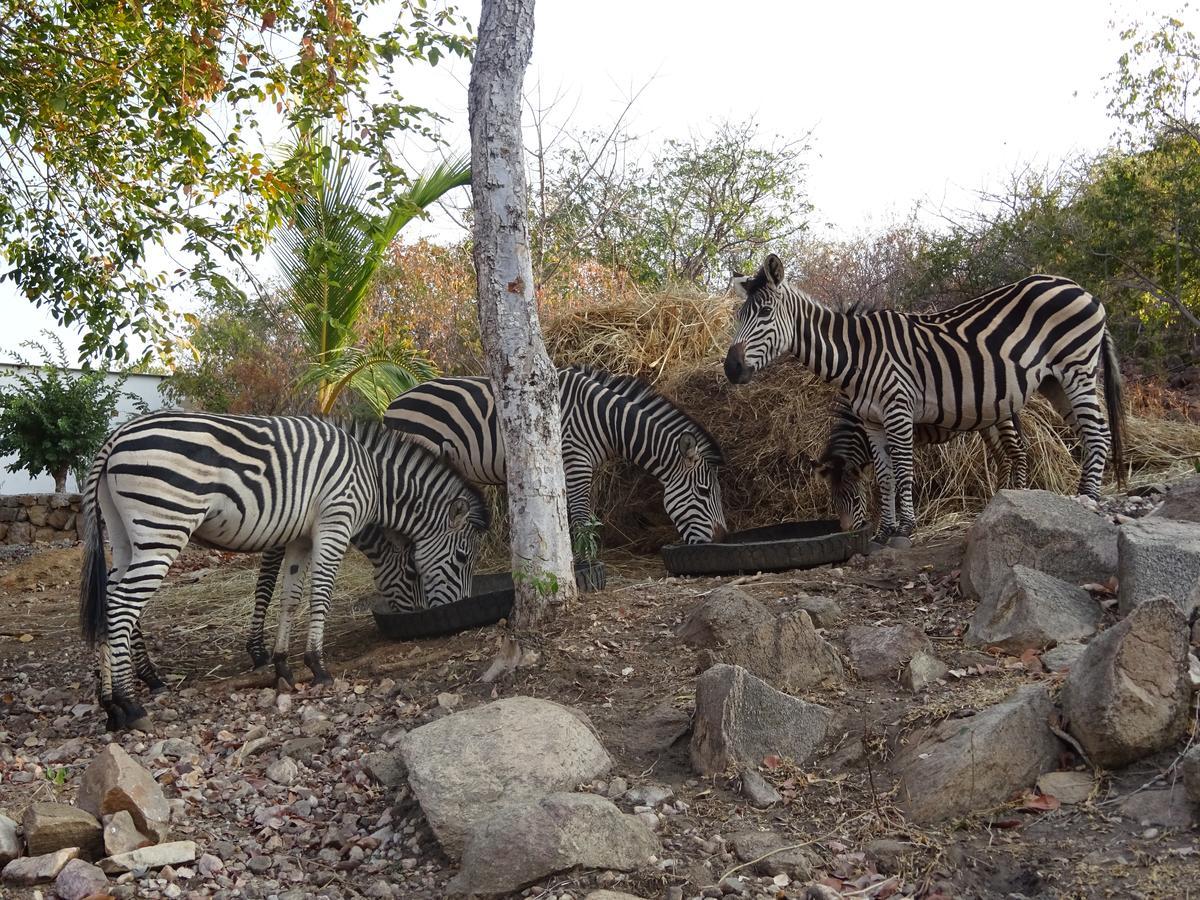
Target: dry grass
<point>677,339</point>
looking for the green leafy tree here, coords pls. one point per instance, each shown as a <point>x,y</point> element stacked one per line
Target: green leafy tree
<point>53,420</point>
<point>329,251</point>
<point>131,126</point>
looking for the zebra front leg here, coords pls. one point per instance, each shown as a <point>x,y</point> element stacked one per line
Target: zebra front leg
<point>900,450</point>
<point>885,478</point>
<point>268,574</point>
<point>329,547</point>
<point>143,667</point>
<point>294,561</point>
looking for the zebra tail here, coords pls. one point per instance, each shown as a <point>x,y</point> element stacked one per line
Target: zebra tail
<point>93,581</point>
<point>1114,399</point>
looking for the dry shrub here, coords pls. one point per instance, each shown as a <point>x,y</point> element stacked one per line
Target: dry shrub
<point>765,427</point>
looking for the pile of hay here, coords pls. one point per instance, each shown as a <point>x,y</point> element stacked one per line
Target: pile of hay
<point>678,341</point>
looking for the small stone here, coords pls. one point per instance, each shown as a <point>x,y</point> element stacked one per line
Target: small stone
<point>30,870</point>
<point>208,865</point>
<point>1069,787</point>
<point>1062,657</point>
<point>283,771</point>
<point>884,651</point>
<point>80,879</point>
<point>888,855</point>
<point>1191,774</point>
<point>53,826</point>
<point>733,885</point>
<point>121,834</point>
<point>649,795</point>
<point>260,865</point>
<point>923,670</point>
<point>649,819</point>
<point>617,787</point>
<point>283,703</point>
<point>302,749</point>
<point>10,844</point>
<point>449,701</point>
<point>758,790</point>
<point>765,851</point>
<point>385,767</point>
<point>169,854</point>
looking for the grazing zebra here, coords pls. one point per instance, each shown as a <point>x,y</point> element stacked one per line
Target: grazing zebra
<point>604,417</point>
<point>249,483</point>
<point>847,456</point>
<point>963,369</point>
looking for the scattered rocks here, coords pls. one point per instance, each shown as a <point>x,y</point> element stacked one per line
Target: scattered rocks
<point>1191,774</point>
<point>736,629</point>
<point>528,840</point>
<point>121,834</point>
<point>1070,788</point>
<point>114,781</point>
<point>773,854</point>
<point>172,853</point>
<point>1032,610</point>
<point>31,870</point>
<point>283,771</point>
<point>1045,531</point>
<point>1182,501</point>
<point>465,765</point>
<point>53,826</point>
<point>883,651</point>
<point>385,767</point>
<point>740,719</point>
<point>1159,558</point>
<point>80,879</point>
<point>923,670</point>
<point>970,765</point>
<point>10,844</point>
<point>1065,655</point>
<point>1127,695</point>
<point>758,790</point>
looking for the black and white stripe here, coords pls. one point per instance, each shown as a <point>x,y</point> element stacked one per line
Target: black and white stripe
<point>252,484</point>
<point>965,369</point>
<point>847,456</point>
<point>604,417</point>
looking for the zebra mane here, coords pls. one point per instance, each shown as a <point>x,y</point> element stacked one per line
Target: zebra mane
<point>643,395</point>
<point>378,438</point>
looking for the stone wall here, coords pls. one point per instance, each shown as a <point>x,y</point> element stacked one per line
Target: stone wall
<point>30,518</point>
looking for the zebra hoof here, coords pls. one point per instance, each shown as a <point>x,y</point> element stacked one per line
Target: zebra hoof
<point>900,542</point>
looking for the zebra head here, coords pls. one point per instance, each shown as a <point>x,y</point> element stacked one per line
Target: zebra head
<point>765,323</point>
<point>692,492</point>
<point>847,490</point>
<point>444,550</point>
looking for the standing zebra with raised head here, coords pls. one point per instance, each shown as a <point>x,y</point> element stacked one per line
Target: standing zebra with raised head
<point>249,484</point>
<point>604,417</point>
<point>964,369</point>
<point>847,455</point>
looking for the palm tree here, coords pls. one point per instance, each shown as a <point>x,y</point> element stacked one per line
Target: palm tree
<point>328,252</point>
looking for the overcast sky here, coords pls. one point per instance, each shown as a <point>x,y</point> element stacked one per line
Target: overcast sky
<point>919,102</point>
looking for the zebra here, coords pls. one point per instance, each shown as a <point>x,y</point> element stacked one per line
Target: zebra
<point>254,483</point>
<point>963,369</point>
<point>604,416</point>
<point>847,455</point>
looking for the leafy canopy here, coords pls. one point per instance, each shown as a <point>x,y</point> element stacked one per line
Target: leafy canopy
<point>130,126</point>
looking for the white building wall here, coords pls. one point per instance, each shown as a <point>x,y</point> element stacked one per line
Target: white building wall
<point>143,386</point>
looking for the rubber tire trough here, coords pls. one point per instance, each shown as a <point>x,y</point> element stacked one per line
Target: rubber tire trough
<point>773,548</point>
<point>491,600</point>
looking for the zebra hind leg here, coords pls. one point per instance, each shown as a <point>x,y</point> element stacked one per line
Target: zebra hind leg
<point>877,439</point>
<point>268,574</point>
<point>294,562</point>
<point>329,547</point>
<point>143,667</point>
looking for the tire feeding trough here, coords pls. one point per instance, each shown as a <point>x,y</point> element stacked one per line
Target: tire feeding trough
<point>772,548</point>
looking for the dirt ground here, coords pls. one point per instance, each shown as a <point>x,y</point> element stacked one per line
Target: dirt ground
<point>334,832</point>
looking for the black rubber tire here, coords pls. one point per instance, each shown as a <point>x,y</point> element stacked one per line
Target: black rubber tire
<point>491,600</point>
<point>774,548</point>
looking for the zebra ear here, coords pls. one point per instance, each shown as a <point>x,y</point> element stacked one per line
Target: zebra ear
<point>688,448</point>
<point>460,512</point>
<point>773,269</point>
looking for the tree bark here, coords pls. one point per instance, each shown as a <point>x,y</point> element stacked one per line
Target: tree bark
<point>525,381</point>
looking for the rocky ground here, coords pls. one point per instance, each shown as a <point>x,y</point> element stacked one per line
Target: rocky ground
<point>311,793</point>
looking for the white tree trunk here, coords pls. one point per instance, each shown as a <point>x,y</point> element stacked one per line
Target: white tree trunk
<point>525,380</point>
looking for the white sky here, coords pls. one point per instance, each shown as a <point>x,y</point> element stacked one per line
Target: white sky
<point>908,102</point>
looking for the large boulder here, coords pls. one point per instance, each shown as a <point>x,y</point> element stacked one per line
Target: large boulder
<point>1041,530</point>
<point>525,841</point>
<point>464,766</point>
<point>1182,502</point>
<point>740,719</point>
<point>30,870</point>
<point>882,651</point>
<point>736,629</point>
<point>1033,610</point>
<point>963,766</point>
<point>114,781</point>
<point>1159,558</point>
<point>53,826</point>
<point>1127,695</point>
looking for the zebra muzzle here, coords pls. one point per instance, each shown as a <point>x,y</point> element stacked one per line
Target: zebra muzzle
<point>735,364</point>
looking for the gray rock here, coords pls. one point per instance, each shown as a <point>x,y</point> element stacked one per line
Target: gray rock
<point>10,844</point>
<point>386,768</point>
<point>209,865</point>
<point>883,651</point>
<point>525,841</point>
<point>649,794</point>
<point>121,834</point>
<point>782,857</point>
<point>888,855</point>
<point>1182,502</point>
<point>611,895</point>
<point>657,731</point>
<point>825,611</point>
<point>53,826</point>
<point>283,771</point>
<point>1191,774</point>
<point>970,765</point>
<point>1159,558</point>
<point>1128,694</point>
<point>1039,529</point>
<point>736,629</point>
<point>1069,787</point>
<point>758,790</point>
<point>302,749</point>
<point>260,865</point>
<point>1168,807</point>
<point>465,765</point>
<point>740,719</point>
<point>172,853</point>
<point>1032,610</point>
<point>31,870</point>
<point>80,879</point>
<point>114,781</point>
<point>922,670</point>
<point>1065,655</point>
